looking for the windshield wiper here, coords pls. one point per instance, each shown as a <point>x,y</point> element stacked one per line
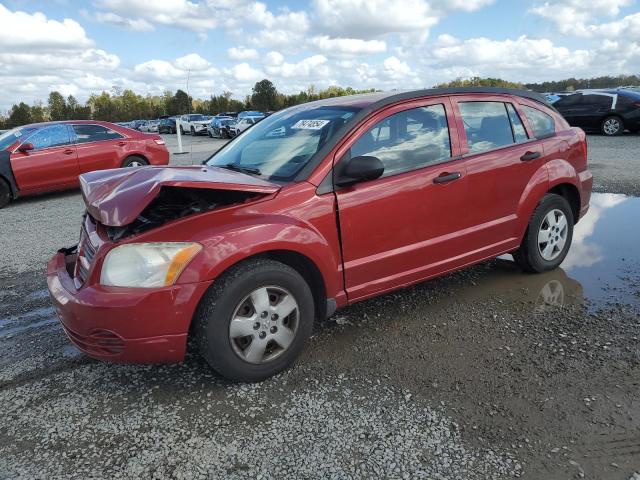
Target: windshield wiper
<point>240,168</point>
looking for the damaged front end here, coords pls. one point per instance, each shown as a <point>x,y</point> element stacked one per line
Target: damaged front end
<point>128,202</point>
<point>173,203</point>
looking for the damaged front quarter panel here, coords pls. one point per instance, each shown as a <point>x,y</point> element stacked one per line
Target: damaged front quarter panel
<point>130,201</point>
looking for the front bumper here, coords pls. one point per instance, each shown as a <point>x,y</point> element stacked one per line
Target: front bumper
<point>127,325</point>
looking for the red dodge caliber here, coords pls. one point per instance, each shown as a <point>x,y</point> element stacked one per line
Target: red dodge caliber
<point>42,157</point>
<point>314,208</point>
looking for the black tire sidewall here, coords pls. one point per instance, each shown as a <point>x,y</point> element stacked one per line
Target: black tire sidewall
<point>133,158</point>
<point>5,193</point>
<point>533,256</point>
<point>217,307</point>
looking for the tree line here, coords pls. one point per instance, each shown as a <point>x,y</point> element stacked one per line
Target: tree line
<point>124,105</point>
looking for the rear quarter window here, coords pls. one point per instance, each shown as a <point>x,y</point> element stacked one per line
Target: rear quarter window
<point>542,124</point>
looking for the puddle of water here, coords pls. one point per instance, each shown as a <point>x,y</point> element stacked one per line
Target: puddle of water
<point>605,252</point>
<point>603,264</point>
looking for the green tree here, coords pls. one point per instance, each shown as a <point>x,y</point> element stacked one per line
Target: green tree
<point>20,115</point>
<point>57,106</point>
<point>264,96</point>
<point>181,102</point>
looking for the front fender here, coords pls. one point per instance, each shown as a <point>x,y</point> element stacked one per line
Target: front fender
<point>261,235</point>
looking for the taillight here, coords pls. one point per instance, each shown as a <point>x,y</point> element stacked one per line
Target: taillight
<point>636,104</point>
<point>159,142</point>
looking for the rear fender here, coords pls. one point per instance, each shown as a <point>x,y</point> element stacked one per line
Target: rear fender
<point>534,191</point>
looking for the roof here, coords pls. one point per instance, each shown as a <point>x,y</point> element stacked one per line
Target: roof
<point>56,122</point>
<point>379,99</point>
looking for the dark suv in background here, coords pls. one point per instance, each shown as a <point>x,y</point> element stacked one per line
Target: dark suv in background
<point>607,111</point>
<point>167,125</point>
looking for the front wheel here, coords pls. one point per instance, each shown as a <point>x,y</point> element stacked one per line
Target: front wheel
<point>254,320</point>
<point>612,126</point>
<point>134,161</point>
<point>548,236</point>
<point>181,130</point>
<point>193,131</point>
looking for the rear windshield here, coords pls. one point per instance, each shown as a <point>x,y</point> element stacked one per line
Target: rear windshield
<point>279,146</point>
<point>17,134</point>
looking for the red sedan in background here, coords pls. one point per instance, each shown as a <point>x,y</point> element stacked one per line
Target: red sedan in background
<point>42,157</point>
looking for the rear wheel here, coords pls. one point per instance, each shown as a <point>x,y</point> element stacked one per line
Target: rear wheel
<point>612,126</point>
<point>5,193</point>
<point>134,161</point>
<point>254,320</point>
<point>548,237</point>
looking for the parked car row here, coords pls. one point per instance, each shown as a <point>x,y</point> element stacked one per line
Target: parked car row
<point>608,111</point>
<point>49,156</point>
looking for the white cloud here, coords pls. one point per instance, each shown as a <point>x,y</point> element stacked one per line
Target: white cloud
<point>273,58</point>
<point>137,25</point>
<point>573,17</point>
<point>243,72</point>
<point>197,17</point>
<point>24,32</point>
<point>314,66</point>
<point>347,46</point>
<point>492,57</point>
<point>242,53</point>
<point>193,61</point>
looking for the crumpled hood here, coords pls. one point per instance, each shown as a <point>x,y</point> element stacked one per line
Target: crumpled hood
<point>116,197</point>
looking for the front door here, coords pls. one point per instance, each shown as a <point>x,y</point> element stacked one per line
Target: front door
<point>404,226</point>
<point>51,165</point>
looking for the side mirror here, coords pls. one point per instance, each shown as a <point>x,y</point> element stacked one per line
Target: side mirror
<point>25,147</point>
<point>360,169</point>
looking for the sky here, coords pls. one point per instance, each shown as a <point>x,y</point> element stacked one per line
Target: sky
<point>149,46</point>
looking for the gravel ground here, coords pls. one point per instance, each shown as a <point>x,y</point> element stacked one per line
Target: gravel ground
<point>485,373</point>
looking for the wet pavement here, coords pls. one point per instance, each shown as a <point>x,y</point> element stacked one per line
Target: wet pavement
<point>508,373</point>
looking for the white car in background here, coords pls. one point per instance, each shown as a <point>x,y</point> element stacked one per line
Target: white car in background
<point>150,126</point>
<point>242,124</point>
<point>193,123</point>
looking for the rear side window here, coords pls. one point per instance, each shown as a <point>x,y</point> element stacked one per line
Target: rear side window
<point>487,125</point>
<point>407,140</point>
<point>53,136</point>
<point>519,133</point>
<point>541,123</point>
<point>568,101</point>
<point>598,100</point>
<point>94,133</point>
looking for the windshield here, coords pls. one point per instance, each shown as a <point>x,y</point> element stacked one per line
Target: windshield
<point>282,144</point>
<point>196,117</point>
<point>9,138</point>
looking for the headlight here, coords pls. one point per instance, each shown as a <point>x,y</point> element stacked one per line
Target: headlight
<point>147,264</point>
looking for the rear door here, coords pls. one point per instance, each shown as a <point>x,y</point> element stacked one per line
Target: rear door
<point>501,159</point>
<point>98,147</point>
<point>569,107</point>
<point>51,165</point>
<point>593,107</point>
<point>406,225</point>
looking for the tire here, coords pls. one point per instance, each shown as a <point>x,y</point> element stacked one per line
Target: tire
<point>224,134</point>
<point>230,353</point>
<point>612,126</point>
<point>5,193</point>
<point>193,131</point>
<point>134,161</point>
<point>537,256</point>
<point>209,133</point>
<point>181,130</point>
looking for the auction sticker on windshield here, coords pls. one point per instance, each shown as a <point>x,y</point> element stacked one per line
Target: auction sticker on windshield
<point>309,124</point>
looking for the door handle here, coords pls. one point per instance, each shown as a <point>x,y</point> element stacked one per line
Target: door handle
<point>68,151</point>
<point>122,144</point>
<point>447,177</point>
<point>530,156</point>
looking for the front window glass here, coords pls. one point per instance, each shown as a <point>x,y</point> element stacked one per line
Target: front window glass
<point>12,136</point>
<point>280,146</point>
<point>486,125</point>
<point>196,117</point>
<point>407,140</point>
<point>52,136</point>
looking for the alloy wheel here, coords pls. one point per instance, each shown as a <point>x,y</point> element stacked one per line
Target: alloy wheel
<point>611,126</point>
<point>264,324</point>
<point>552,234</point>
